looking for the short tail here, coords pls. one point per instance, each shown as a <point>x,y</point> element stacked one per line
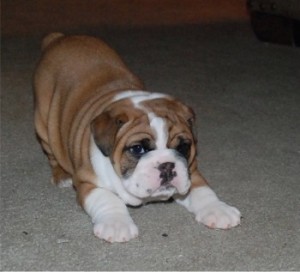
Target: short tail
<point>50,38</point>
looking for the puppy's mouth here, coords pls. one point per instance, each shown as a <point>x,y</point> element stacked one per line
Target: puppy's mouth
<point>163,193</point>
<point>159,175</point>
<point>160,194</point>
<point>163,189</point>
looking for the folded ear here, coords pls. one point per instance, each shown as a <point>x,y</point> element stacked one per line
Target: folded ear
<point>105,128</point>
<point>190,116</point>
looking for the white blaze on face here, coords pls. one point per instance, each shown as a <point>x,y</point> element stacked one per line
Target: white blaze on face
<point>159,127</point>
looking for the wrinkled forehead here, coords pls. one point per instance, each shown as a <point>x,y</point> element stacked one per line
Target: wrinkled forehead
<point>159,109</point>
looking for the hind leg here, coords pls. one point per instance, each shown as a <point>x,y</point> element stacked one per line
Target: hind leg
<point>59,176</point>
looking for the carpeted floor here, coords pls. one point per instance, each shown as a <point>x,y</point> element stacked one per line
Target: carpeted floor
<point>246,95</point>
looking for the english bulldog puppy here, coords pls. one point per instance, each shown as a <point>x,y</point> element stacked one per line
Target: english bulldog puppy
<point>114,142</point>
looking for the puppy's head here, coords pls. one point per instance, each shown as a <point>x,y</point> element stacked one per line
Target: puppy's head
<point>150,144</point>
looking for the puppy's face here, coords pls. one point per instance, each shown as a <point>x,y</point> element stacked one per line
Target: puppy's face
<point>150,145</point>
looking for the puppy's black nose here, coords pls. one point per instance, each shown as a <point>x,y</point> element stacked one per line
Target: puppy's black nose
<point>166,172</point>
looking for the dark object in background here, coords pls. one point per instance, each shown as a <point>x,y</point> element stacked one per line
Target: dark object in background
<point>276,21</point>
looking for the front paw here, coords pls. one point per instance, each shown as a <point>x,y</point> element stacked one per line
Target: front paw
<point>116,228</point>
<point>219,215</point>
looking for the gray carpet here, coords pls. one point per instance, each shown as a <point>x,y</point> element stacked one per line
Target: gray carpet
<point>246,95</point>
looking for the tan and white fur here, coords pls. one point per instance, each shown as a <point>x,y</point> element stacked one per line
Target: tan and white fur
<point>115,142</point>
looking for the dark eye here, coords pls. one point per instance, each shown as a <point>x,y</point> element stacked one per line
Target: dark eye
<point>138,150</point>
<point>184,149</point>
